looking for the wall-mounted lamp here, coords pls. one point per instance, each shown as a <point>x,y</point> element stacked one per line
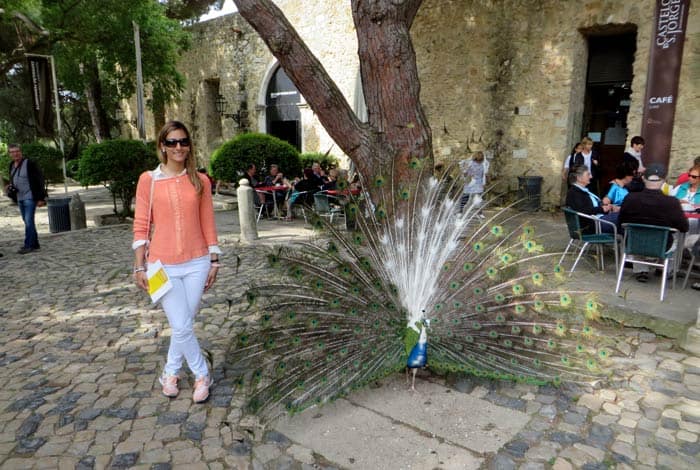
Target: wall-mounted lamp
<point>222,106</point>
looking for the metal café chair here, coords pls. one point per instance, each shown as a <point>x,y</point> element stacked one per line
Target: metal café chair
<point>597,239</point>
<point>648,241</point>
<point>323,207</point>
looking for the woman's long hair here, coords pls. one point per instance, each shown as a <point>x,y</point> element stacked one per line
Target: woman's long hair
<point>190,163</point>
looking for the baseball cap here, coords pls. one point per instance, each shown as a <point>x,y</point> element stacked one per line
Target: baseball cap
<point>655,172</point>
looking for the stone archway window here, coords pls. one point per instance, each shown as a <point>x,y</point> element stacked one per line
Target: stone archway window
<point>282,109</point>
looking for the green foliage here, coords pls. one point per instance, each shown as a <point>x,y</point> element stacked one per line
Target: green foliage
<point>326,160</point>
<point>229,162</point>
<point>117,164</point>
<point>93,46</point>
<point>48,158</point>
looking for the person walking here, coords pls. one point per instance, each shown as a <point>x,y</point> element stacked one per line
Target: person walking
<point>27,183</point>
<point>184,239</point>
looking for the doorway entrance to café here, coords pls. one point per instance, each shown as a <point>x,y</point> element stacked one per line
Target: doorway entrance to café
<point>607,98</point>
<point>282,109</point>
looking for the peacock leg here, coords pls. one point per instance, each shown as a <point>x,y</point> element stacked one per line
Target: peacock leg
<point>413,382</point>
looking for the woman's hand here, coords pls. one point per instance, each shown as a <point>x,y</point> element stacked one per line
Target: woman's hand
<point>211,277</point>
<point>141,280</point>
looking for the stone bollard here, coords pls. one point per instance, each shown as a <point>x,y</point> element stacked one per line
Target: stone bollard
<point>246,211</point>
<point>77,213</point>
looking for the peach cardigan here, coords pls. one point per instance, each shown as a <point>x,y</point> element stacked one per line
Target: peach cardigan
<point>183,222</point>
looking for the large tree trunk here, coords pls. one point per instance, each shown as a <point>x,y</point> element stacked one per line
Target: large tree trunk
<point>397,129</point>
<point>93,94</point>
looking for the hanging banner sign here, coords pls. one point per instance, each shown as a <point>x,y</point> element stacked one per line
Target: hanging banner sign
<point>662,79</point>
<point>40,73</point>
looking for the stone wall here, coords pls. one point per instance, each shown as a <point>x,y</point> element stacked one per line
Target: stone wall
<point>505,76</point>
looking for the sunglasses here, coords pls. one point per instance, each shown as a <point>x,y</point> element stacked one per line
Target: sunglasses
<point>170,143</point>
<point>693,176</point>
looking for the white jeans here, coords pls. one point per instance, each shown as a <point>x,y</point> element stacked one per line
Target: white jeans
<point>181,304</point>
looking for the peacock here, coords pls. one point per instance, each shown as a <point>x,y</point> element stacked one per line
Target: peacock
<point>415,284</point>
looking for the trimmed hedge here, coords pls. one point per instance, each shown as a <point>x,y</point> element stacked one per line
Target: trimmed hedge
<point>230,161</point>
<point>117,164</point>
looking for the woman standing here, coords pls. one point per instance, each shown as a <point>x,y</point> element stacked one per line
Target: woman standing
<point>184,239</point>
<point>590,160</point>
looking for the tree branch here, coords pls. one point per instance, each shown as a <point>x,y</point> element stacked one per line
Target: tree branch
<point>307,73</point>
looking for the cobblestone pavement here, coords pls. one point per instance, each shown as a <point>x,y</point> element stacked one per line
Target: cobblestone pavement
<point>80,352</point>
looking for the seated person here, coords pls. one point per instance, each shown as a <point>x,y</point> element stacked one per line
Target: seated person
<point>275,178</point>
<point>688,192</point>
<point>303,191</point>
<point>332,181</point>
<point>581,199</point>
<point>683,177</point>
<point>652,207</point>
<point>618,187</point>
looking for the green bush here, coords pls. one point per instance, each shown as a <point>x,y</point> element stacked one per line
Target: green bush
<point>48,158</point>
<point>117,164</point>
<point>229,162</point>
<point>325,160</point>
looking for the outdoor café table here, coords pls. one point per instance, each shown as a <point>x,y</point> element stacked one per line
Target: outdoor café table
<point>271,191</point>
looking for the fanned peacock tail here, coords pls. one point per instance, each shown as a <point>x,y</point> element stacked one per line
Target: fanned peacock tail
<point>348,306</point>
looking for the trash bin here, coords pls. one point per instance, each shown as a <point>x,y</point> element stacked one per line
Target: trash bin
<point>529,192</point>
<point>59,214</point>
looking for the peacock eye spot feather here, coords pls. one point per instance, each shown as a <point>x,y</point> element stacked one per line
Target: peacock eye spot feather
<point>536,329</point>
<point>551,344</point>
<point>500,298</point>
<point>313,323</point>
<point>296,341</point>
<point>478,246</point>
<point>456,321</point>
<point>565,300</point>
<point>454,285</point>
<point>357,239</point>
<point>379,181</point>
<point>520,309</point>
<point>353,312</point>
<point>500,318</point>
<point>320,345</point>
<point>482,346</point>
<point>468,267</point>
<point>478,291</point>
<point>508,344</point>
<point>491,272</point>
<point>457,304</point>
<point>335,328</point>
<point>404,194</point>
<point>437,307</point>
<point>480,308</point>
<point>380,213</point>
<point>469,339</point>
<point>335,303</point>
<point>497,230</point>
<point>518,289</point>
<point>493,334</point>
<point>351,209</point>
<point>476,325</point>
<point>515,329</point>
<point>506,258</point>
<point>528,342</point>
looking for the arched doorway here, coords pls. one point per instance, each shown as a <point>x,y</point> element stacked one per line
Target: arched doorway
<point>283,119</point>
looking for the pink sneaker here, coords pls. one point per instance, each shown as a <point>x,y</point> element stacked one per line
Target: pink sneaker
<point>201,389</point>
<point>169,383</point>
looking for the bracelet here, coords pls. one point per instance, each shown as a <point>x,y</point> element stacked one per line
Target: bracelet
<point>139,269</point>
<point>216,264</point>
<point>216,260</point>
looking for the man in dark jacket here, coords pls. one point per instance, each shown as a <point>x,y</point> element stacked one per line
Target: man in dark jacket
<point>650,206</point>
<point>27,177</point>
